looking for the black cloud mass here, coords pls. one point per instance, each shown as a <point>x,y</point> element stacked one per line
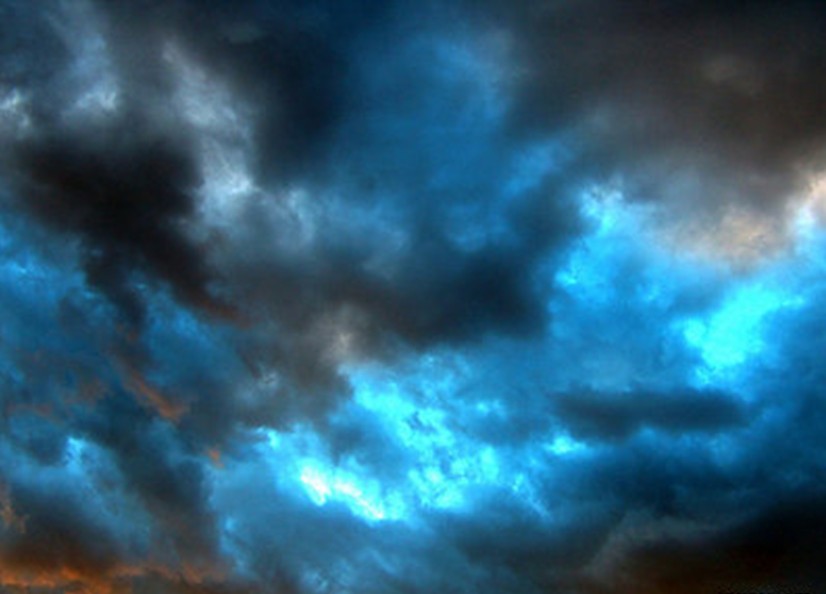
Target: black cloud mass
<point>411,297</point>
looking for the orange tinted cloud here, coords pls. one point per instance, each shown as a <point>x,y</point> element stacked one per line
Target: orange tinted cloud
<point>152,396</point>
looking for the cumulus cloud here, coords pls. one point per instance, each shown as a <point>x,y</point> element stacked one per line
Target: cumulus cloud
<point>442,296</point>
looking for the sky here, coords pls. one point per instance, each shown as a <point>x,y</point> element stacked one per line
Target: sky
<point>402,297</point>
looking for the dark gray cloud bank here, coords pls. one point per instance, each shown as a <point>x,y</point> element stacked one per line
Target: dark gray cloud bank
<point>326,297</point>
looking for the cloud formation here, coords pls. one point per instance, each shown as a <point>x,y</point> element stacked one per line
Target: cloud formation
<point>428,296</point>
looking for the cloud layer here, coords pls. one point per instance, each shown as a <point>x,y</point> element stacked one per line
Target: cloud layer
<point>331,297</point>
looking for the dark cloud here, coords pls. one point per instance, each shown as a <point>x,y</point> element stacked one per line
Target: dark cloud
<point>291,61</point>
<point>704,104</point>
<point>58,534</point>
<point>615,416</point>
<point>126,197</point>
<point>129,187</point>
<point>774,549</point>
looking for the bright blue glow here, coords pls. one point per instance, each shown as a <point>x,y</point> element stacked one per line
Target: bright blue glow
<point>323,484</point>
<point>444,465</point>
<point>318,488</point>
<point>593,267</point>
<point>622,266</point>
<point>447,464</point>
<point>302,452</point>
<point>564,444</point>
<point>732,335</point>
<point>605,206</point>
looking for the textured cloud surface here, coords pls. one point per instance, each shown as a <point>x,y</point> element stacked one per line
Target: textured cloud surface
<point>326,297</point>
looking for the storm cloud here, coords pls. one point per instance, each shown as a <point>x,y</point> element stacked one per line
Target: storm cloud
<point>315,297</point>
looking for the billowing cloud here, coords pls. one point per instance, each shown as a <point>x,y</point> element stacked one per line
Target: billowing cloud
<point>469,297</point>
